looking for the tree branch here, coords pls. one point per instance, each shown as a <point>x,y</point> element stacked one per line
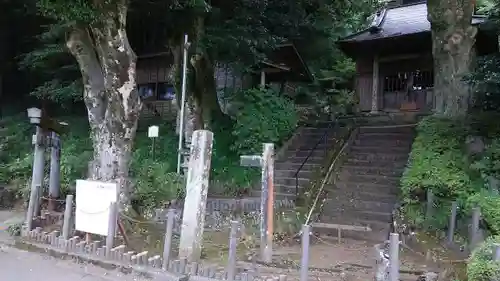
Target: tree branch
<point>81,47</point>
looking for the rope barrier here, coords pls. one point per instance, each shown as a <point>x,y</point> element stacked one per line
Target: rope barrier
<point>92,213</point>
<point>130,219</point>
<point>53,199</point>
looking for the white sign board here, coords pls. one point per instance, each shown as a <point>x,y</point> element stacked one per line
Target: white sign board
<point>153,132</point>
<point>93,199</point>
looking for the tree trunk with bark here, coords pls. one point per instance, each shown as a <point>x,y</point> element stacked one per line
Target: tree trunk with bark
<point>206,105</point>
<point>108,66</point>
<point>453,39</point>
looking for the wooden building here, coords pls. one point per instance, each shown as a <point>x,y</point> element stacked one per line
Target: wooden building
<point>283,67</point>
<point>394,65</point>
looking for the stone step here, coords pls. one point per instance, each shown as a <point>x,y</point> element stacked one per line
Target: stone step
<point>381,149</point>
<point>390,197</point>
<point>385,136</point>
<point>306,174</point>
<point>385,156</point>
<point>350,169</point>
<point>305,159</point>
<point>343,186</point>
<point>289,165</point>
<point>361,214</point>
<point>379,231</point>
<point>291,181</point>
<point>355,221</point>
<point>277,195</point>
<point>371,179</point>
<point>387,129</point>
<point>353,202</point>
<point>310,152</point>
<point>383,142</point>
<point>287,189</point>
<point>377,163</point>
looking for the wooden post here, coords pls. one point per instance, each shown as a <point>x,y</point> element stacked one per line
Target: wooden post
<point>375,84</point>
<point>113,216</point>
<point>474,232</point>
<point>168,238</point>
<point>68,211</point>
<point>31,207</point>
<point>429,207</point>
<point>394,257</point>
<point>497,253</point>
<point>193,219</point>
<point>38,167</point>
<point>453,218</point>
<point>55,169</point>
<point>233,243</point>
<point>266,162</point>
<point>304,262</point>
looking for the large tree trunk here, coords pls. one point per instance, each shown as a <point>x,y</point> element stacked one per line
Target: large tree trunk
<point>108,67</point>
<point>453,39</point>
<point>206,103</point>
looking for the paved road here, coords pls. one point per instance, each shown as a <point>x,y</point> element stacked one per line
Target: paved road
<point>18,265</point>
<point>22,265</point>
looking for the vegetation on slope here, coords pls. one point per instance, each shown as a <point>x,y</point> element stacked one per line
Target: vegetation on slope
<point>269,118</point>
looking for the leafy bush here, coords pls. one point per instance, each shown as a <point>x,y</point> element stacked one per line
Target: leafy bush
<point>436,161</point>
<point>485,80</point>
<point>261,116</point>
<point>481,266</point>
<point>154,180</point>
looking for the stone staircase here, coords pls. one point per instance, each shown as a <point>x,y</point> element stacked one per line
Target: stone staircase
<point>296,154</point>
<point>365,191</point>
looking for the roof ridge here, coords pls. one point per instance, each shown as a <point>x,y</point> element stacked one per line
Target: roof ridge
<point>376,24</point>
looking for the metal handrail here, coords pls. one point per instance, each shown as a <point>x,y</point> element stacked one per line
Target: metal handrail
<point>323,138</point>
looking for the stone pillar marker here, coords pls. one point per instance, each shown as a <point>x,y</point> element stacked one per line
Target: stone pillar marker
<point>38,167</point>
<point>266,162</point>
<point>193,219</point>
<point>55,169</point>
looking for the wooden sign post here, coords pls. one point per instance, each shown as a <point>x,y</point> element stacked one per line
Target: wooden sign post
<point>266,162</point>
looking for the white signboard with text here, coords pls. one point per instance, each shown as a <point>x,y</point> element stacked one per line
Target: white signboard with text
<point>93,199</point>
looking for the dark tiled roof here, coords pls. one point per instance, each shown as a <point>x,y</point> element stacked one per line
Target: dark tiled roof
<point>399,21</point>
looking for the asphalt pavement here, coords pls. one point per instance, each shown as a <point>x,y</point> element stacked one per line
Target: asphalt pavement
<point>16,264</point>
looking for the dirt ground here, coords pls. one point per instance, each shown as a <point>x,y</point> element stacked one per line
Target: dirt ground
<point>349,260</point>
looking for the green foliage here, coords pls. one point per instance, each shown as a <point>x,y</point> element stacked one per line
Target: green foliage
<point>439,162</point>
<point>15,229</point>
<point>261,116</point>
<point>485,80</point>
<point>436,160</point>
<point>481,266</point>
<point>153,180</point>
<point>488,165</point>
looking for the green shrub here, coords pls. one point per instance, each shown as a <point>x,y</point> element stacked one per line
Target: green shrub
<point>436,161</point>
<point>262,115</point>
<point>481,266</point>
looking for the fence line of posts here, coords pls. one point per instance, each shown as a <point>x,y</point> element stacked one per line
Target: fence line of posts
<point>193,217</point>
<point>193,212</point>
<point>47,135</point>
